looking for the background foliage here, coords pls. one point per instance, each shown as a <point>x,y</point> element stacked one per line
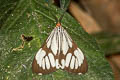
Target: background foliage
<point>34,18</point>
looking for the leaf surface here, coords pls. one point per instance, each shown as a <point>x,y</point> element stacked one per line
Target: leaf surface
<point>35,18</point>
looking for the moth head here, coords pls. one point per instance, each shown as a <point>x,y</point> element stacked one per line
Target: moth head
<point>58,24</point>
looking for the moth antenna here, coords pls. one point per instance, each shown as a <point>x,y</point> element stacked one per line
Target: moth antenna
<point>56,19</point>
<point>64,5</point>
<point>61,17</point>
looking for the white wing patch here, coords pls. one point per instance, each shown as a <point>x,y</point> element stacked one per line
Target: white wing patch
<point>76,63</point>
<point>64,45</point>
<point>68,38</point>
<point>57,64</point>
<point>72,62</point>
<point>47,63</point>
<point>54,45</point>
<point>39,56</point>
<point>43,63</point>
<point>48,41</point>
<point>59,41</point>
<point>68,58</point>
<point>63,63</point>
<point>52,60</point>
<point>79,56</point>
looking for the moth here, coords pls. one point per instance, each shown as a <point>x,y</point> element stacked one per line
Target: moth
<point>59,51</point>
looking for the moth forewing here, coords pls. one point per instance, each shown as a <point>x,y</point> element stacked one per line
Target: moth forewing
<point>44,60</point>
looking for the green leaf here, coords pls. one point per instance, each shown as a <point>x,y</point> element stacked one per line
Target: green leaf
<point>6,8</point>
<point>34,18</point>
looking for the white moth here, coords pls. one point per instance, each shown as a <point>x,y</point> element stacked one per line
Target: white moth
<point>59,52</point>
